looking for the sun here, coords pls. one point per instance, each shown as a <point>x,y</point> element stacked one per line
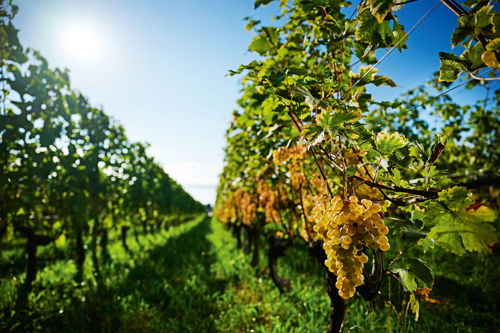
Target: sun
<point>82,42</point>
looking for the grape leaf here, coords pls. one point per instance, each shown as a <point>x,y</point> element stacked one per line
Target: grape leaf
<point>493,45</point>
<point>471,3</point>
<point>61,240</point>
<point>260,45</point>
<point>380,8</point>
<point>413,273</point>
<point>482,17</point>
<point>458,226</point>
<point>371,31</point>
<point>460,34</point>
<point>379,80</point>
<point>451,67</point>
<point>387,143</point>
<point>473,57</point>
<point>336,119</point>
<point>259,3</point>
<point>309,100</point>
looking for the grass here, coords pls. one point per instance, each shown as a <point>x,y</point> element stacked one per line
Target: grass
<point>192,278</point>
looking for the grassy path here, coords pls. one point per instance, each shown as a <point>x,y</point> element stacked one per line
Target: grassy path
<point>192,278</point>
<point>188,279</point>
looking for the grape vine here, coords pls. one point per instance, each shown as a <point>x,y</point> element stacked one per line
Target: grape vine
<point>351,176</point>
<point>67,170</point>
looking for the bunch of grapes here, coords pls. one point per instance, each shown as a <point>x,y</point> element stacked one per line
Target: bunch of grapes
<point>246,205</point>
<point>347,227</point>
<point>226,210</point>
<point>268,198</point>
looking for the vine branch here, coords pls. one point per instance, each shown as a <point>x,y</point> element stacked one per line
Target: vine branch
<point>480,78</point>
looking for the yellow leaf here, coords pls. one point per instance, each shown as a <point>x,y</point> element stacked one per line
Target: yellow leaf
<point>61,240</point>
<point>423,294</point>
<point>490,59</point>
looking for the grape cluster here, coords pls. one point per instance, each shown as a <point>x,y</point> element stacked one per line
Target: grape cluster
<point>347,227</point>
<point>246,205</point>
<point>225,211</point>
<point>268,199</point>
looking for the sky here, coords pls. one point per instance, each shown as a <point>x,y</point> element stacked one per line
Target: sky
<point>160,68</point>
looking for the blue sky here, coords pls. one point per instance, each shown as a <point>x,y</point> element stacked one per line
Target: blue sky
<point>160,68</point>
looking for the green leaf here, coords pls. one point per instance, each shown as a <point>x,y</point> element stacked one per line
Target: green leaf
<point>489,57</point>
<point>451,67</point>
<point>387,143</point>
<point>336,119</point>
<point>351,170</point>
<point>415,152</point>
<point>460,34</point>
<point>413,273</point>
<point>411,233</point>
<point>379,80</point>
<point>273,227</point>
<point>415,306</point>
<point>312,132</point>
<point>380,8</point>
<point>367,75</point>
<point>458,226</point>
<point>371,31</point>
<point>399,35</point>
<point>493,45</point>
<point>260,45</point>
<point>251,24</point>
<point>259,3</point>
<point>311,101</point>
<point>61,240</point>
<point>470,3</point>
<point>473,57</point>
<point>482,17</point>
<point>465,21</point>
<point>495,22</point>
<point>365,52</point>
<point>459,237</point>
<point>271,34</point>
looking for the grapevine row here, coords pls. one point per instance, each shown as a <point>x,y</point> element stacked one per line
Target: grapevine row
<point>67,170</point>
<point>311,157</point>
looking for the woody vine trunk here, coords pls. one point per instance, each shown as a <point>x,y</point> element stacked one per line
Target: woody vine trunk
<point>277,249</point>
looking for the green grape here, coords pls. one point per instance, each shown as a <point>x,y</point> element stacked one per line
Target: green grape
<point>351,225</point>
<point>352,230</point>
<point>346,239</point>
<point>385,247</point>
<point>363,258</point>
<point>361,229</point>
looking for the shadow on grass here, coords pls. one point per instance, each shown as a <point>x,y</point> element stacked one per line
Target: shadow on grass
<point>169,290</point>
<point>465,306</point>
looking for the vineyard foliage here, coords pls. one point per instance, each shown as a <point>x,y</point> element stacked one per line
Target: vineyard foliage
<point>67,170</point>
<point>379,198</point>
<point>312,157</point>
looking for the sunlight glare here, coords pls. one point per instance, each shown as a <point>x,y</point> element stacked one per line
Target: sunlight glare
<point>82,43</point>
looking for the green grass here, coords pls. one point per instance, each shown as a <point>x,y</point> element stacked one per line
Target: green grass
<point>192,278</point>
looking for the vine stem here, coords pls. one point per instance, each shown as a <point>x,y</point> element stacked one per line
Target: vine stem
<point>280,209</point>
<point>321,169</point>
<point>480,78</point>
<point>304,212</point>
<point>459,11</point>
<point>424,193</point>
